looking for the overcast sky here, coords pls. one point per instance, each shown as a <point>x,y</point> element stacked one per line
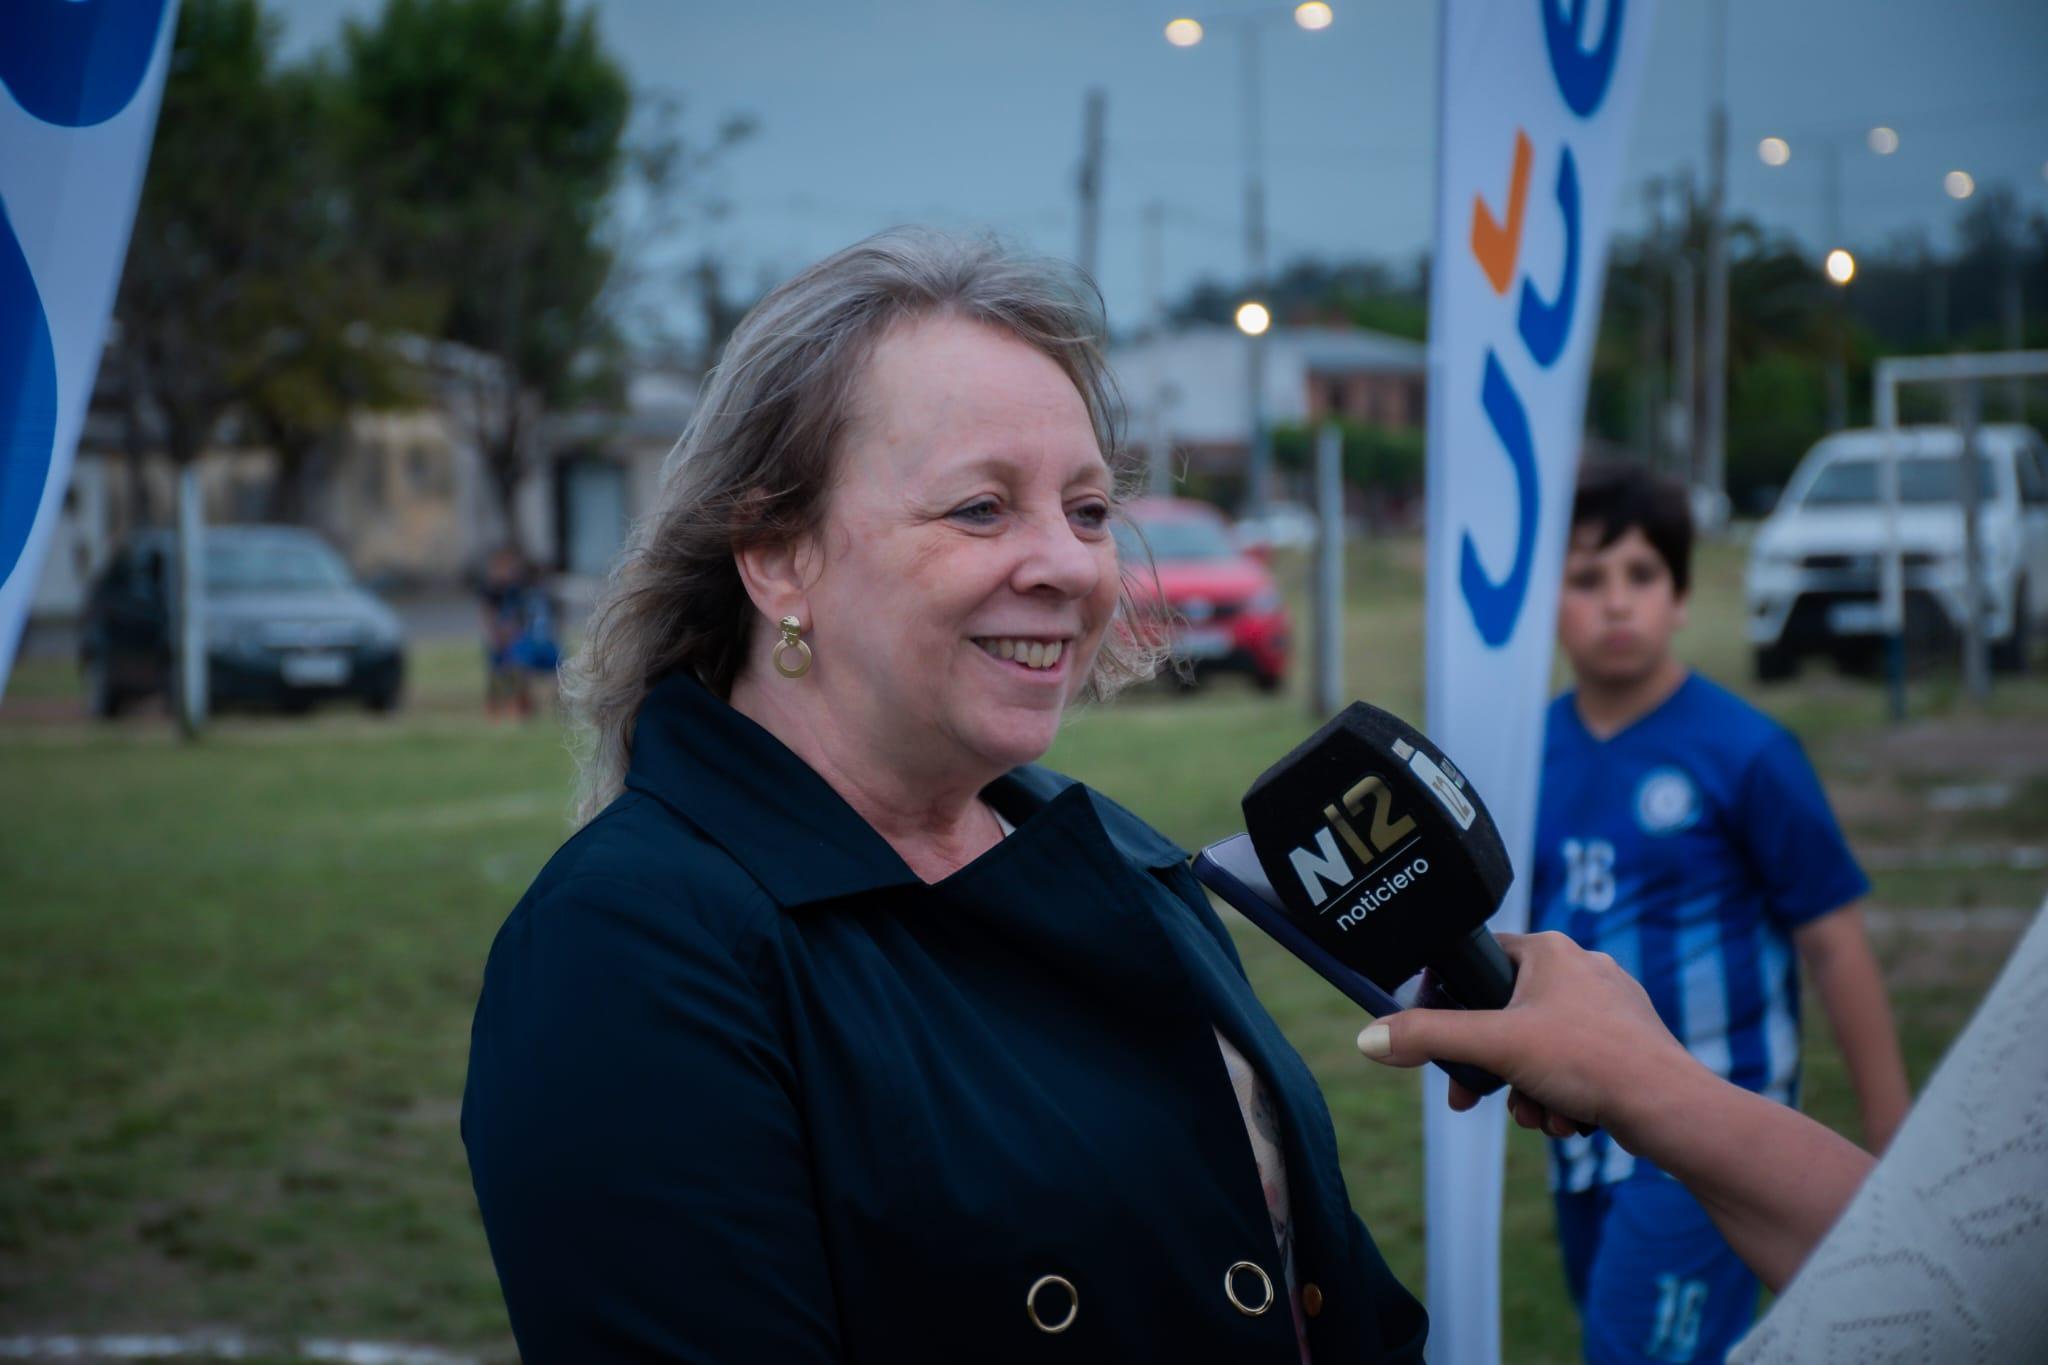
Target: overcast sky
<point>969,113</point>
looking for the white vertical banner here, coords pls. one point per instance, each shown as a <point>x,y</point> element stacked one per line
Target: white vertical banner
<point>82,80</point>
<point>1535,103</point>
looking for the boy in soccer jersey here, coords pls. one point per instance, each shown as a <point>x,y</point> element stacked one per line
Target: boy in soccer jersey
<point>1683,832</point>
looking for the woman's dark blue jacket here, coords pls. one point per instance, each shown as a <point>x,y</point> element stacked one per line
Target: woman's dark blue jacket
<point>742,1088</point>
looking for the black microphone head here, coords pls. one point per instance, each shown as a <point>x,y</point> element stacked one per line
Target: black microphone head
<point>1377,845</point>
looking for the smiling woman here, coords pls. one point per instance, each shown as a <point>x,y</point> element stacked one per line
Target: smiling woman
<point>841,1031</point>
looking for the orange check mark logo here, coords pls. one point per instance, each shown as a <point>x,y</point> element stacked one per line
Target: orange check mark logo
<point>1495,244</point>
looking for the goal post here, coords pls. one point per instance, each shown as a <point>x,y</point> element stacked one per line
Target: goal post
<point>1965,371</point>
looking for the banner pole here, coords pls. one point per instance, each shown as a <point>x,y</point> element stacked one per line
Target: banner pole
<point>1534,107</point>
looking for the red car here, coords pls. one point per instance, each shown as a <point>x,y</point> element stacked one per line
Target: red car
<point>1220,605</point>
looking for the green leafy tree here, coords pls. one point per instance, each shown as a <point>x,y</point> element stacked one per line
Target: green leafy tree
<point>1309,292</point>
<point>486,139</point>
<point>1383,463</point>
<point>343,313</point>
<point>242,278</point>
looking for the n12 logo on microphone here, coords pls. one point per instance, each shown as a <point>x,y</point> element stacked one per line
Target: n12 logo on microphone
<point>1323,864</point>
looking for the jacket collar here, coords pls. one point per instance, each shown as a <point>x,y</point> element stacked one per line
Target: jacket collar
<point>787,827</point>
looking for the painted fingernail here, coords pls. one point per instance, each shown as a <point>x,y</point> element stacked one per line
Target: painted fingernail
<point>1376,1041</point>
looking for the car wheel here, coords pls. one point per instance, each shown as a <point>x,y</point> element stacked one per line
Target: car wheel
<point>383,701</point>
<point>102,698</point>
<point>2010,654</point>
<point>1269,683</point>
<point>1775,663</point>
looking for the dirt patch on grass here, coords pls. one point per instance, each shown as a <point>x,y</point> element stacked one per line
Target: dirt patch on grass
<point>1872,803</point>
<point>1925,950</point>
<point>2009,747</point>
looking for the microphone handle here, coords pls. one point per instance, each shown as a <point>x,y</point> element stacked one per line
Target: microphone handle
<point>1474,974</point>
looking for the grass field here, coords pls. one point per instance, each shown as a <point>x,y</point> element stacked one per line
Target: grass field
<point>236,976</point>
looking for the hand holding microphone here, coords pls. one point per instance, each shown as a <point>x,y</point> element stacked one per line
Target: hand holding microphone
<point>1579,1042</point>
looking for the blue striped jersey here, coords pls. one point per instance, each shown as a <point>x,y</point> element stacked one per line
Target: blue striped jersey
<point>1689,846</point>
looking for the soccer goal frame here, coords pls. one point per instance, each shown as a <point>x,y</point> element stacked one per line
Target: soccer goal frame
<point>1957,372</point>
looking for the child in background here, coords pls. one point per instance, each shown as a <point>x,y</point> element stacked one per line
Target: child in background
<point>518,634</point>
<point>1684,833</point>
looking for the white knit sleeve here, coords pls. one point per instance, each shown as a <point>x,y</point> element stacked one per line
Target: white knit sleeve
<point>1943,1253</point>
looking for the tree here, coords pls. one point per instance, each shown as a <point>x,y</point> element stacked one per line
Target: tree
<point>486,140</point>
<point>1309,292</point>
<point>240,267</point>
<point>1384,463</point>
<point>342,314</point>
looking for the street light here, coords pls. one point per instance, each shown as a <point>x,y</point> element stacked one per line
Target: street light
<point>1837,265</point>
<point>1959,184</point>
<point>1253,318</point>
<point>1312,17</point>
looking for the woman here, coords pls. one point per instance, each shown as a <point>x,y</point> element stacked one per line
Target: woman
<point>840,1031</point>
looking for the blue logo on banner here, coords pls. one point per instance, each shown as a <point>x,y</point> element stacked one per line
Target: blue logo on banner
<point>75,63</point>
<point>1582,76</point>
<point>28,399</point>
<point>1546,324</point>
<point>1496,605</point>
<point>72,63</point>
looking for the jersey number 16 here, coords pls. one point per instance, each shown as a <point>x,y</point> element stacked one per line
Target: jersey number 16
<point>1589,874</point>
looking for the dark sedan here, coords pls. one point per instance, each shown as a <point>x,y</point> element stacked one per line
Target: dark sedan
<point>286,624</point>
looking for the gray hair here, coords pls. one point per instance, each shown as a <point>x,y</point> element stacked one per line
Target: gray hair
<point>756,462</point>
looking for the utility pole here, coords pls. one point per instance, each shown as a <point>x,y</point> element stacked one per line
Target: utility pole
<point>1936,271</point>
<point>1155,265</point>
<point>1685,333</point>
<point>1963,405</point>
<point>1327,696</point>
<point>2016,387</point>
<point>1159,449</point>
<point>189,579</point>
<point>1652,338</point>
<point>1714,429</point>
<point>1090,177</point>
<point>1254,163</point>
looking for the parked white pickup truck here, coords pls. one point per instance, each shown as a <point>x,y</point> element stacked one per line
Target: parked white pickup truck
<point>1813,582</point>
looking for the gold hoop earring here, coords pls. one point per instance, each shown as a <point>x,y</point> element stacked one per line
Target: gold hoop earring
<point>792,638</point>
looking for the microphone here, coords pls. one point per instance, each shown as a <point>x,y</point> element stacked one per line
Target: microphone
<point>1374,859</point>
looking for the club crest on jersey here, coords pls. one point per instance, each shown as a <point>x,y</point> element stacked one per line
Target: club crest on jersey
<point>1667,802</point>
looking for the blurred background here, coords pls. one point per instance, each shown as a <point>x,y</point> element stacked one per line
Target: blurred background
<point>422,292</point>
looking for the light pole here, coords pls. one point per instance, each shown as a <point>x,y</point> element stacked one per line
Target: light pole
<point>1313,17</point>
<point>1837,264</point>
<point>1711,467</point>
<point>1254,319</point>
<point>1711,463</point>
